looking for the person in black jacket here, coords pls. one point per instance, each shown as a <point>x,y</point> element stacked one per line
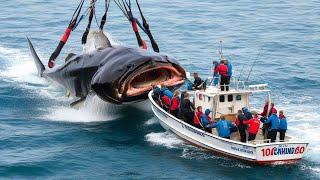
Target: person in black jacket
<point>198,82</point>
<point>241,127</point>
<point>187,109</point>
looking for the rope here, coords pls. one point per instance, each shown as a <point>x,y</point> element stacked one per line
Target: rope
<point>85,34</point>
<point>104,17</point>
<point>72,25</point>
<point>146,26</point>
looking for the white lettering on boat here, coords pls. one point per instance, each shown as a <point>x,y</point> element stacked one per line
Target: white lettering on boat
<point>243,149</point>
<point>192,130</point>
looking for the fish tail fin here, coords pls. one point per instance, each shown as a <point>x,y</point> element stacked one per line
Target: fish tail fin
<point>37,61</point>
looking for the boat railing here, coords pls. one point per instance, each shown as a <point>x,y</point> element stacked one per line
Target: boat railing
<point>236,84</point>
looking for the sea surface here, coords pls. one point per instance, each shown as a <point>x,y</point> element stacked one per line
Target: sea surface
<point>41,137</point>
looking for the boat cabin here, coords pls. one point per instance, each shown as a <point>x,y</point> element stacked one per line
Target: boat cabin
<point>227,103</point>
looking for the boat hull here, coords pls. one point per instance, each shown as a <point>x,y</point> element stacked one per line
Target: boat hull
<point>266,153</point>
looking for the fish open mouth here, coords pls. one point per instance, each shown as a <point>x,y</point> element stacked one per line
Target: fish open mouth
<point>143,81</point>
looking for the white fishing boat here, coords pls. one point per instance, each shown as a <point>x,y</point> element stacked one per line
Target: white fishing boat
<point>260,150</point>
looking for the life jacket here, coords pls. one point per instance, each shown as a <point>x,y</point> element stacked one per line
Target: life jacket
<point>166,101</point>
<point>222,69</point>
<point>205,120</point>
<point>174,103</point>
<point>254,125</point>
<point>283,122</point>
<point>274,120</point>
<point>223,127</point>
<point>197,117</point>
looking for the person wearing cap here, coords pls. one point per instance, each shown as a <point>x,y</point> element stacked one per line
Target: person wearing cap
<point>205,120</point>
<point>282,126</point>
<point>254,124</point>
<point>274,125</point>
<point>224,127</point>
<point>247,113</point>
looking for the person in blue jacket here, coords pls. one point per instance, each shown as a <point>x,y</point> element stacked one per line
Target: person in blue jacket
<point>247,113</point>
<point>224,127</point>
<point>282,126</point>
<point>229,68</point>
<point>274,125</point>
<point>206,120</point>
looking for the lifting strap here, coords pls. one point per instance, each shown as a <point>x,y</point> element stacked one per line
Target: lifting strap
<point>104,17</point>
<point>125,7</point>
<point>86,32</point>
<point>147,30</point>
<point>72,25</point>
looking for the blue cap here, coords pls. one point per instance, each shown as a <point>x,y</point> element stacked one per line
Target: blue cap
<point>207,112</point>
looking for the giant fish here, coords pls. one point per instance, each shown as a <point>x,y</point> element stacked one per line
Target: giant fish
<point>116,74</point>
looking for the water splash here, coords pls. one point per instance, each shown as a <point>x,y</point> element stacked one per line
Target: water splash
<point>166,139</point>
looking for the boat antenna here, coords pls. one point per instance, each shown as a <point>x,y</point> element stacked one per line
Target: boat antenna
<point>253,64</point>
<point>220,50</point>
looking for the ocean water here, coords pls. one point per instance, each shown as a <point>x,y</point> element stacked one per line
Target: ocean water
<point>42,138</point>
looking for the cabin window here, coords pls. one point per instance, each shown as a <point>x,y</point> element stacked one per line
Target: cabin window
<point>238,97</point>
<point>230,98</point>
<point>221,98</point>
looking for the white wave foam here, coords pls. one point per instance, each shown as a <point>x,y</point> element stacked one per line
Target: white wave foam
<point>151,121</point>
<point>166,139</point>
<point>93,110</point>
<point>303,124</point>
<point>21,70</point>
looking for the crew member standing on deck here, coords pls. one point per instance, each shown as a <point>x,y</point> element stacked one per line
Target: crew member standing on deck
<point>187,109</point>
<point>254,125</point>
<point>283,125</point>
<point>241,126</point>
<point>222,69</point>
<point>274,125</point>
<point>224,127</point>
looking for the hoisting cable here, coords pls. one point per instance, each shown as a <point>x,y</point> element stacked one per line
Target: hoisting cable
<point>86,32</point>
<point>126,9</point>
<point>121,8</point>
<point>104,17</point>
<point>147,30</point>
<point>65,37</point>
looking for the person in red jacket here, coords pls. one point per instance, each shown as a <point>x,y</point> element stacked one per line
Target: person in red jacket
<point>254,125</point>
<point>175,102</point>
<point>197,116</point>
<point>222,69</point>
<point>166,102</point>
